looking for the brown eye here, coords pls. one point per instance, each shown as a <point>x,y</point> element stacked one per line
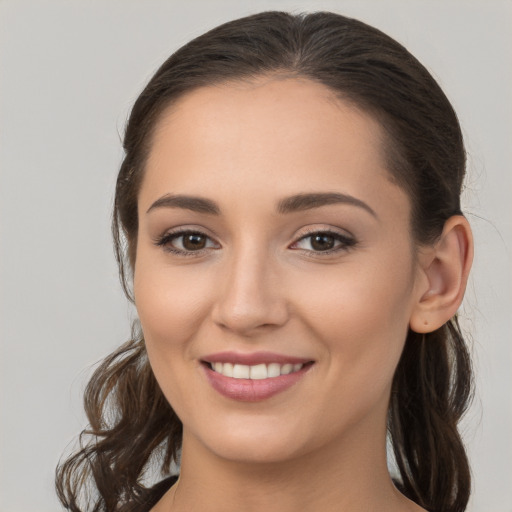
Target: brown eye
<point>194,241</point>
<point>186,243</point>
<point>322,242</point>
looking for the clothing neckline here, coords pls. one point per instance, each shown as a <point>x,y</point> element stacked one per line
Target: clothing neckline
<point>158,490</point>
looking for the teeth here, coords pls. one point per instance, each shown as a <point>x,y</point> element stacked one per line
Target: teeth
<point>286,369</point>
<point>241,371</point>
<point>226,369</point>
<point>256,372</point>
<point>274,370</point>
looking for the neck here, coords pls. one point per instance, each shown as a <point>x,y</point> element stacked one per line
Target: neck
<point>345,476</point>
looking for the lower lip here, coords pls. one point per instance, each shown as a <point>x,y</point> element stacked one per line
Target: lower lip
<point>253,390</point>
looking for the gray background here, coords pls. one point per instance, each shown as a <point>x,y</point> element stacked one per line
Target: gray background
<point>69,72</point>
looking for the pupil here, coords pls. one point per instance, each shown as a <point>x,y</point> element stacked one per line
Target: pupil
<point>193,242</point>
<point>322,242</point>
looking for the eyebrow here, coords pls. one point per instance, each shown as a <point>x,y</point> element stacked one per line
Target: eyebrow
<point>196,204</point>
<point>295,203</point>
<point>302,202</point>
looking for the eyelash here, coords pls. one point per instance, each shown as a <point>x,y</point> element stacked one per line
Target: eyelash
<point>165,240</point>
<point>346,242</point>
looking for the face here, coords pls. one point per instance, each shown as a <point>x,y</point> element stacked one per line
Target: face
<point>275,273</point>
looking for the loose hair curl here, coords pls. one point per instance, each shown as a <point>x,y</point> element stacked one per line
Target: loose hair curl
<point>130,420</point>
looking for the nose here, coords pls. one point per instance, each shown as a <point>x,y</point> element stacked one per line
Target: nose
<point>250,299</point>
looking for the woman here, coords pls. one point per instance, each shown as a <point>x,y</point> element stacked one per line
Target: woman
<point>289,211</point>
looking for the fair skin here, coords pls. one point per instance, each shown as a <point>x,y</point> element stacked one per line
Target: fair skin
<point>253,278</point>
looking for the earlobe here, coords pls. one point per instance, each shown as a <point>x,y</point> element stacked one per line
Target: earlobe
<point>446,270</point>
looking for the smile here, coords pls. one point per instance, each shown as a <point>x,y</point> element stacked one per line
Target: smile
<point>253,377</point>
<point>255,372</point>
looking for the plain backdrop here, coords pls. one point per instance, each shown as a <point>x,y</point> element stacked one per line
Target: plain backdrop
<point>69,72</point>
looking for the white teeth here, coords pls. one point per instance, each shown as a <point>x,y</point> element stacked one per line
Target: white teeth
<point>255,372</point>
<point>258,372</point>
<point>274,370</point>
<point>286,369</point>
<point>227,369</point>
<point>241,371</point>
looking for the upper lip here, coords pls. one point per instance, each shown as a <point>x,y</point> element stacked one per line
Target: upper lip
<point>253,358</point>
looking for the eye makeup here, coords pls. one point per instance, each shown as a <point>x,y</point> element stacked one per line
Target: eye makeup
<point>193,242</point>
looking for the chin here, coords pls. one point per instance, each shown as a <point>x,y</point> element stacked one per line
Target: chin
<point>255,443</point>
<point>256,452</point>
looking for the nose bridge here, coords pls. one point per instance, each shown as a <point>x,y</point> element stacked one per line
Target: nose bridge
<point>250,297</point>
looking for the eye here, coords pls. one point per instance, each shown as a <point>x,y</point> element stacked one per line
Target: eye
<point>324,242</point>
<point>186,242</point>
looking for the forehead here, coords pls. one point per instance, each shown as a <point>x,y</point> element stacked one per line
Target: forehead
<point>272,114</point>
<point>268,137</point>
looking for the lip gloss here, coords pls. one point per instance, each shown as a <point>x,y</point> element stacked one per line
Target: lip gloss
<point>252,390</point>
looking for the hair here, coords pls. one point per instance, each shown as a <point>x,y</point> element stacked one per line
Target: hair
<point>131,423</point>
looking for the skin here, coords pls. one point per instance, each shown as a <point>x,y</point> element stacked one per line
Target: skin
<point>259,284</point>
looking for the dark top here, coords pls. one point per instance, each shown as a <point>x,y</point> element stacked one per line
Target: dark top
<point>157,491</point>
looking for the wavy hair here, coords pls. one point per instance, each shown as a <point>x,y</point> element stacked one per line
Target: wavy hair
<point>131,423</point>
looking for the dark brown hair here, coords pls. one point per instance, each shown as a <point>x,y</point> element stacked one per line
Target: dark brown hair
<point>131,423</point>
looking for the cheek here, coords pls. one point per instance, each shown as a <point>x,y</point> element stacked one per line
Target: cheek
<point>171,303</point>
<point>361,315</point>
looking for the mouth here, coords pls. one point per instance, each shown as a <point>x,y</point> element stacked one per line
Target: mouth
<point>255,377</point>
<point>255,372</point>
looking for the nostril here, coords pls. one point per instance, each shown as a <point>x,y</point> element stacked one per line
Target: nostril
<point>245,318</point>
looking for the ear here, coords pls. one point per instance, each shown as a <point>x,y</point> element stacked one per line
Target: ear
<point>444,270</point>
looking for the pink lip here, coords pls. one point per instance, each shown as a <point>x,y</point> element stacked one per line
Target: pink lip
<point>253,358</point>
<point>253,390</point>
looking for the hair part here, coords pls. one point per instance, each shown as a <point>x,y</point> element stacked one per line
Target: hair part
<point>130,420</point>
